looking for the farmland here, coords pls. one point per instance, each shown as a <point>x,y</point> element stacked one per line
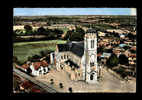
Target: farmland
<point>23,50</point>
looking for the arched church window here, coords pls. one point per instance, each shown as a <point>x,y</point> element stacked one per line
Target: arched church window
<point>92,43</point>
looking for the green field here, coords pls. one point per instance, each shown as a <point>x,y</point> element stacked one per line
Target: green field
<point>23,50</point>
<point>64,29</point>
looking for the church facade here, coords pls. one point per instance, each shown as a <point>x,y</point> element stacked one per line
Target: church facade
<point>79,59</point>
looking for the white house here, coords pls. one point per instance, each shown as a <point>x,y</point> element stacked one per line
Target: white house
<point>39,68</point>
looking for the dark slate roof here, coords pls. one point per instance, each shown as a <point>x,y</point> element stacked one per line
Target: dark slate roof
<point>76,48</point>
<point>91,31</point>
<point>63,47</point>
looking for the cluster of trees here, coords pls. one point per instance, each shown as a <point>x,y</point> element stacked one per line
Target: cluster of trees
<point>50,19</point>
<point>28,31</point>
<point>72,35</point>
<point>114,60</point>
<point>75,35</point>
<point>36,58</point>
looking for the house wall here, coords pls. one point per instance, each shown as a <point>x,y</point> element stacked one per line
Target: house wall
<point>37,72</point>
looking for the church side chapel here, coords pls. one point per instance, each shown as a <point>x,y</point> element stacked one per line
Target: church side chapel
<point>79,59</point>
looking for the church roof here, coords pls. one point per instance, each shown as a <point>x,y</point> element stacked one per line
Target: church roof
<point>76,48</point>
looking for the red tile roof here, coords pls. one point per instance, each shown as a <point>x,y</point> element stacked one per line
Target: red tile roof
<point>132,55</point>
<point>43,63</point>
<point>133,48</point>
<point>36,65</point>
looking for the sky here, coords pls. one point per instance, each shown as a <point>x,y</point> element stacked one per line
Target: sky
<point>73,11</point>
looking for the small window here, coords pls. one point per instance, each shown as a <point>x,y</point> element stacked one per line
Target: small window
<point>61,57</point>
<point>44,70</point>
<point>92,43</point>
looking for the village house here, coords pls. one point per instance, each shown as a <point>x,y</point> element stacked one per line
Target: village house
<point>105,55</point>
<point>122,36</point>
<point>79,59</point>
<point>39,68</point>
<point>132,59</point>
<point>101,34</point>
<point>130,43</point>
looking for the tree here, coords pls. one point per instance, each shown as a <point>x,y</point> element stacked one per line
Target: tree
<point>68,34</point>
<point>100,49</point>
<point>126,47</point>
<point>41,30</point>
<point>123,59</point>
<point>112,61</point>
<point>52,35</point>
<point>34,58</point>
<point>58,32</point>
<point>80,30</point>
<point>76,36</point>
<point>28,29</point>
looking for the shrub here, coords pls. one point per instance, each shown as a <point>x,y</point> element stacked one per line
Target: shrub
<point>112,61</point>
<point>123,59</point>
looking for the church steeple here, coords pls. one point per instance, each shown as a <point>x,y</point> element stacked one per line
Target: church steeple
<point>90,51</point>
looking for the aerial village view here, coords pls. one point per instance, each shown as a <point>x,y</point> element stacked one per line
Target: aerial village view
<point>74,50</point>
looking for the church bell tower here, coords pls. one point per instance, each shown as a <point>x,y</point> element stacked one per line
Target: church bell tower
<point>90,53</point>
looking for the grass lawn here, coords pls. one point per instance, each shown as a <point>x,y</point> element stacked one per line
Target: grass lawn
<point>23,50</point>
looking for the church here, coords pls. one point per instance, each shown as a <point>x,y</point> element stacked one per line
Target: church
<point>79,59</point>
